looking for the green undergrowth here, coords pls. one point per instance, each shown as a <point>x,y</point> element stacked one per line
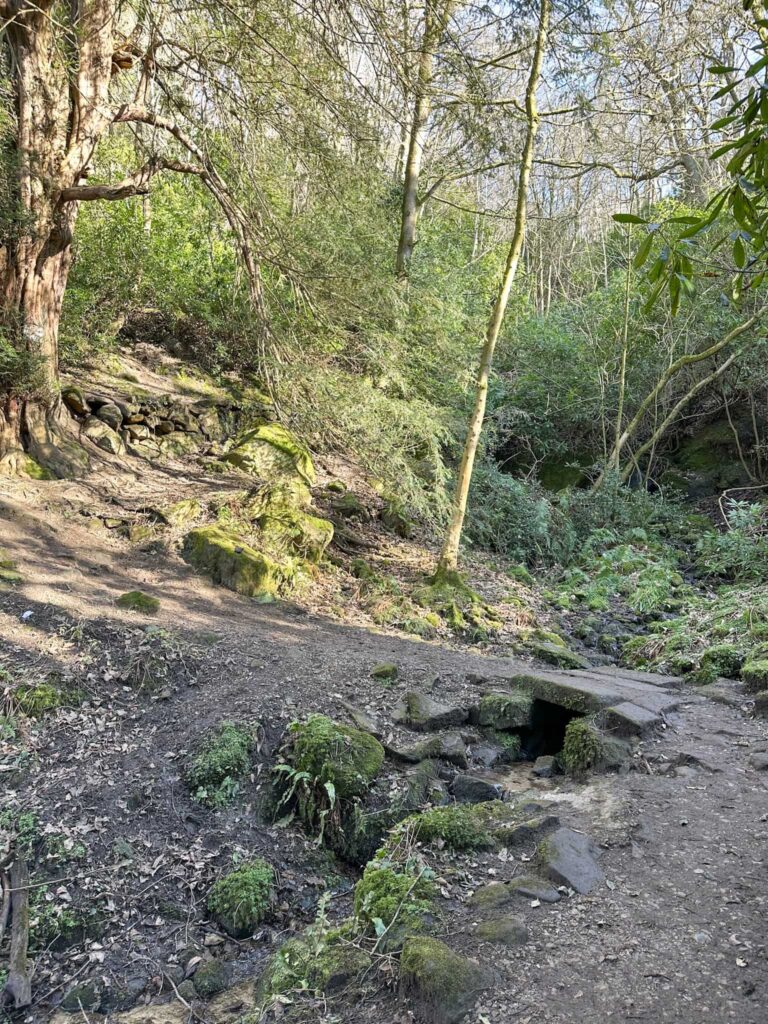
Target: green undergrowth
<point>241,899</point>
<point>448,595</point>
<point>388,604</point>
<point>223,760</point>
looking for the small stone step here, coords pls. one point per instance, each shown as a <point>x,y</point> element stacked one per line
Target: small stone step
<point>423,713</point>
<point>630,719</point>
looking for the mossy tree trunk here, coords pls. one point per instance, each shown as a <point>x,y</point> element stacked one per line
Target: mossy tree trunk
<point>448,561</point>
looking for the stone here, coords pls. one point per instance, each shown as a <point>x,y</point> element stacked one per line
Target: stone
<point>229,561</point>
<point>503,931</point>
<point>137,431</point>
<point>443,982</point>
<point>386,671</point>
<point>453,749</point>
<point>476,789</point>
<point>425,714</point>
<point>544,767</point>
<point>85,996</point>
<point>75,401</point>
<point>531,830</point>
<point>493,896</point>
<point>103,436</point>
<point>554,654</point>
<point>210,425</point>
<point>137,601</point>
<point>507,710</point>
<point>487,754</point>
<point>111,415</point>
<point>570,858</point>
<point>759,762</point>
<point>629,719</point>
<point>272,451</point>
<point>760,710</point>
<point>210,978</point>
<point>363,721</point>
<point>534,888</point>
<point>164,427</point>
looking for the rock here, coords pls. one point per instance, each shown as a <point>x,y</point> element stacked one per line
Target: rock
<point>271,451</point>
<point>210,424</point>
<point>210,978</point>
<point>85,996</point>
<point>424,714</point>
<point>453,749</point>
<point>487,754</point>
<point>164,427</point>
<point>535,889</point>
<point>759,762</point>
<point>508,710</point>
<point>760,709</point>
<point>493,895</point>
<point>187,990</point>
<point>111,415</point>
<point>630,719</point>
<point>529,831</point>
<point>443,982</point>
<point>363,721</point>
<point>544,767</point>
<point>146,449</point>
<point>103,436</point>
<point>447,747</point>
<point>75,401</point>
<point>349,506</point>
<point>137,431</point>
<point>554,654</point>
<point>386,671</point>
<point>503,931</point>
<point>476,789</point>
<point>228,560</point>
<point>570,858</point>
<point>136,601</point>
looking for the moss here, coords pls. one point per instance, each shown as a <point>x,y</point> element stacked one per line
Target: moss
<point>387,892</point>
<point>386,672</point>
<point>38,699</point>
<point>458,827</point>
<point>181,513</point>
<point>241,899</point>
<point>583,747</point>
<point>556,654</point>
<point>510,743</point>
<point>444,982</point>
<point>755,674</point>
<point>211,978</point>
<point>302,964</point>
<point>136,601</point>
<point>458,605</point>
<point>8,571</point>
<point>330,752</point>
<point>271,450</point>
<point>223,760</point>
<point>32,469</point>
<point>719,660</point>
<point>504,931</point>
<point>224,556</point>
<point>505,710</point>
<point>293,531</point>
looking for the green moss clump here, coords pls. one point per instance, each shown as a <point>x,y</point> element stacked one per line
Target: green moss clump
<point>181,513</point>
<point>458,605</point>
<point>38,699</point>
<point>303,963</point>
<point>223,555</point>
<point>223,760</point>
<point>446,983</point>
<point>241,899</point>
<point>387,892</point>
<point>136,601</point>
<point>293,531</point>
<point>719,660</point>
<point>8,571</point>
<point>457,826</point>
<point>210,978</point>
<point>330,752</point>
<point>270,451</point>
<point>755,674</point>
<point>509,742</point>
<point>505,710</point>
<point>387,672</point>
<point>583,747</point>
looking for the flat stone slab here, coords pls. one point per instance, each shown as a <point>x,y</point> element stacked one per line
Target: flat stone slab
<point>631,719</point>
<point>503,931</point>
<point>423,713</point>
<point>570,858</point>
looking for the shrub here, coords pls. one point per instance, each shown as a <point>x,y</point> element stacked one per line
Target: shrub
<point>241,899</point>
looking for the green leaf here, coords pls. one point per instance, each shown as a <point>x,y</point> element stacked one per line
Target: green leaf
<point>739,253</point>
<point>644,251</point>
<point>629,218</point>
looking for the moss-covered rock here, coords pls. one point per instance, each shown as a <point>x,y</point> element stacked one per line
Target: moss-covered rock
<point>223,555</point>
<point>332,752</point>
<point>386,672</point>
<point>291,531</point>
<point>180,513</point>
<point>459,827</point>
<point>509,710</point>
<point>583,747</point>
<point>302,964</point>
<point>508,930</point>
<point>444,983</point>
<point>223,760</point>
<point>240,900</point>
<point>755,674</point>
<point>389,894</point>
<point>270,451</point>
<point>458,605</point>
<point>8,570</point>
<point>720,660</point>
<point>137,601</point>
<point>37,699</point>
<point>556,654</point>
<point>210,978</point>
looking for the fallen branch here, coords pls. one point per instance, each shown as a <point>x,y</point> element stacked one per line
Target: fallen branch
<point>18,986</point>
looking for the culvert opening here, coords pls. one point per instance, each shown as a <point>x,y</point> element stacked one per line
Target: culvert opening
<point>547,730</point>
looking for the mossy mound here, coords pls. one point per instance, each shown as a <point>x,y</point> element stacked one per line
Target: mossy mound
<point>505,710</point>
<point>303,964</point>
<point>222,761</point>
<point>137,601</point>
<point>8,571</point>
<point>583,747</point>
<point>459,827</point>
<point>180,513</point>
<point>755,674</point>
<point>386,672</point>
<point>271,451</point>
<point>390,895</point>
<point>291,531</point>
<point>443,982</point>
<point>38,699</point>
<point>458,605</point>
<point>241,899</point>
<point>720,660</point>
<point>223,555</point>
<point>330,752</point>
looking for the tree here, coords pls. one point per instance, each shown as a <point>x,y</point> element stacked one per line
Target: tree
<point>448,561</point>
<point>76,71</point>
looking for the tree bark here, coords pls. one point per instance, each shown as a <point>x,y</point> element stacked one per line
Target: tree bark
<point>435,21</point>
<point>448,561</point>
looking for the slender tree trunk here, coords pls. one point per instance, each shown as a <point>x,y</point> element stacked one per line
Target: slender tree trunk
<point>435,21</point>
<point>448,561</point>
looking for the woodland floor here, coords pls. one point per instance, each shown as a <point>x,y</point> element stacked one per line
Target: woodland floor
<point>677,933</point>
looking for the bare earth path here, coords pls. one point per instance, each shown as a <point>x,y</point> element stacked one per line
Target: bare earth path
<point>676,934</point>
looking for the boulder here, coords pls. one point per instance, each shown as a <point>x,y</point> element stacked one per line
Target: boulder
<point>75,401</point>
<point>103,436</point>
<point>110,414</point>
<point>554,654</point>
<point>570,858</point>
<point>210,424</point>
<point>476,789</point>
<point>447,747</point>
<point>164,427</point>
<point>544,767</point>
<point>535,889</point>
<point>224,556</point>
<point>423,713</point>
<point>137,431</point>
<point>508,710</point>
<point>760,709</point>
<point>272,451</point>
<point>444,983</point>
<point>503,931</point>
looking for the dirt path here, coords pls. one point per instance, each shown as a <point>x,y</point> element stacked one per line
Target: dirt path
<point>677,934</point>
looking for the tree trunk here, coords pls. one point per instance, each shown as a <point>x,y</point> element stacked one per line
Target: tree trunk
<point>434,25</point>
<point>448,561</point>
